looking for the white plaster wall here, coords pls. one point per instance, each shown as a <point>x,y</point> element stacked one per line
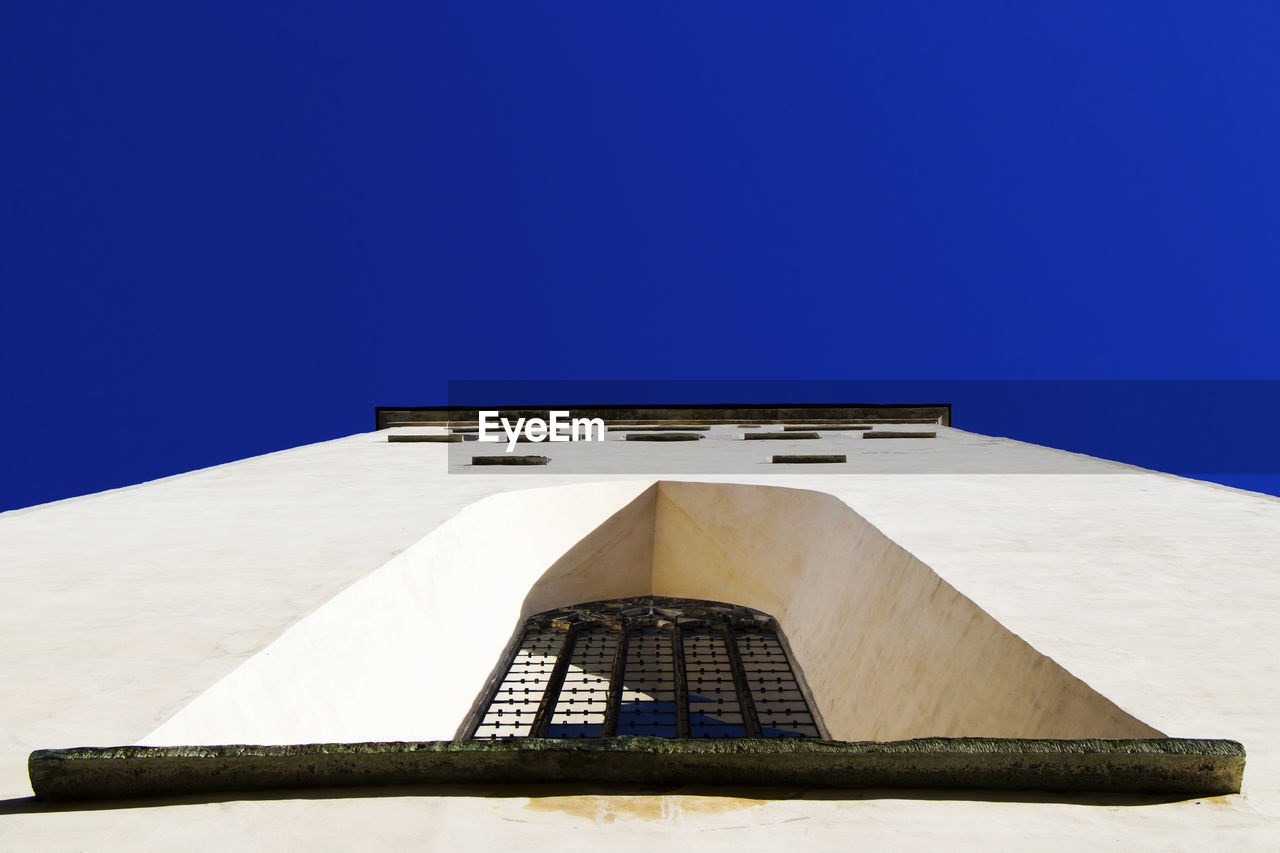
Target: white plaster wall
<point>117,609</point>
<point>402,653</point>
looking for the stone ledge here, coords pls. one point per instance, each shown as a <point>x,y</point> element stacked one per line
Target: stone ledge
<point>1166,765</point>
<point>509,460</point>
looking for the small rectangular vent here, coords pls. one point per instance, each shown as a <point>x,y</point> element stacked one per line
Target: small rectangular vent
<point>664,428</point>
<point>828,428</point>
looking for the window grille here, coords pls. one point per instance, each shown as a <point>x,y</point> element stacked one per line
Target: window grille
<point>653,666</point>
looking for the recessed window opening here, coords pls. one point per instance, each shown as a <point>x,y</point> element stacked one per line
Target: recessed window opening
<point>652,666</point>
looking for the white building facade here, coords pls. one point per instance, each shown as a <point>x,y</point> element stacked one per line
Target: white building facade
<point>933,584</point>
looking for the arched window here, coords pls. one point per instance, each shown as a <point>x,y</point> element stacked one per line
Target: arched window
<point>655,666</point>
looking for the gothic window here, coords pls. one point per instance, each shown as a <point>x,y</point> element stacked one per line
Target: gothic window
<point>654,666</point>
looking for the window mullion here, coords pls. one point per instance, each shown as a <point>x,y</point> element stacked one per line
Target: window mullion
<point>616,685</point>
<point>542,721</point>
<point>681,683</point>
<point>750,721</point>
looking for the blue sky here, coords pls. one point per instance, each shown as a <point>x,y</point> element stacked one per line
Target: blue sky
<point>232,228</point>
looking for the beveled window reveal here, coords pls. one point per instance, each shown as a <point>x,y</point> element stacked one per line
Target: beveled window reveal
<point>652,666</point>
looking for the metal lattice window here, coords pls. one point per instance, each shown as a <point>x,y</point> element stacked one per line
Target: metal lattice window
<point>661,667</point>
